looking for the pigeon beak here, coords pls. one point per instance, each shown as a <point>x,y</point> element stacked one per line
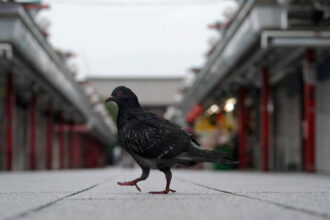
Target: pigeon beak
<point>109,99</point>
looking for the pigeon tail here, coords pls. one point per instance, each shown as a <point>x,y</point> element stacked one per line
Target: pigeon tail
<point>197,154</point>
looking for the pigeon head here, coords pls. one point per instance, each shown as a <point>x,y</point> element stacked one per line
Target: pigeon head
<point>124,97</point>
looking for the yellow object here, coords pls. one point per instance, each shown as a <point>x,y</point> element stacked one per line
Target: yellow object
<point>203,124</point>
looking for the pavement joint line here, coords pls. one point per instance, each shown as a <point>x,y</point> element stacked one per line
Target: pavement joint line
<point>289,207</point>
<point>33,210</point>
<point>33,192</point>
<point>254,192</point>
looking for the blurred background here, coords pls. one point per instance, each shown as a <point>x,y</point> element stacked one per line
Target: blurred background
<point>249,78</point>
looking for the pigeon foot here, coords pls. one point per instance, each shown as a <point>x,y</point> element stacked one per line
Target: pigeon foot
<point>130,183</point>
<point>163,192</point>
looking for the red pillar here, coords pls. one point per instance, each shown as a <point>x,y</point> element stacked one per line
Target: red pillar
<point>61,143</point>
<point>242,129</point>
<point>93,156</point>
<point>309,105</point>
<point>78,150</point>
<point>100,157</point>
<point>89,155</point>
<point>33,131</point>
<point>10,107</point>
<point>71,146</point>
<point>49,138</point>
<point>103,160</point>
<point>265,116</point>
<point>93,153</point>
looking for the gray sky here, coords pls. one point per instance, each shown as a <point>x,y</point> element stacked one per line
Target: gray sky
<point>134,37</point>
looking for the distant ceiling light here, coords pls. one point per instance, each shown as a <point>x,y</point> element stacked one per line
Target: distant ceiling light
<point>231,100</point>
<point>230,105</point>
<point>213,109</point>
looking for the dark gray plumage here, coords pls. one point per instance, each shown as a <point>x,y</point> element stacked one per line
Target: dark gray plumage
<point>154,142</point>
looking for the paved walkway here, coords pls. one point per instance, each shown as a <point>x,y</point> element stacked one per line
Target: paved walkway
<point>94,194</point>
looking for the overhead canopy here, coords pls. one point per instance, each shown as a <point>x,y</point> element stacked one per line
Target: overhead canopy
<point>258,36</point>
<point>25,49</point>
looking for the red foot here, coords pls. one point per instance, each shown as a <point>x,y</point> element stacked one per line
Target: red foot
<point>130,183</point>
<point>164,192</point>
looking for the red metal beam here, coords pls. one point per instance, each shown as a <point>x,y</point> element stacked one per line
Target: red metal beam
<point>49,138</point>
<point>265,116</point>
<point>242,129</point>
<point>36,6</point>
<point>33,131</point>
<point>309,104</point>
<point>10,108</point>
<point>76,127</point>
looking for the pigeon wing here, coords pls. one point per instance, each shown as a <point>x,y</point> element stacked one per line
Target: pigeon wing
<point>153,137</point>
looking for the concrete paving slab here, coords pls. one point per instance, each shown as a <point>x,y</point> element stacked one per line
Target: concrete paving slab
<point>13,204</point>
<point>94,194</point>
<point>316,202</point>
<point>249,182</point>
<point>307,193</point>
<point>21,192</point>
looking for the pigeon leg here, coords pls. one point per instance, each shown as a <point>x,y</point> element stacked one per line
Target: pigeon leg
<point>145,174</point>
<point>168,175</point>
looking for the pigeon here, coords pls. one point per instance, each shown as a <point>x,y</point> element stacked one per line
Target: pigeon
<point>156,143</point>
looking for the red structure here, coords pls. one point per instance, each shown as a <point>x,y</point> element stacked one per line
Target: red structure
<point>309,110</point>
<point>49,138</point>
<point>10,107</point>
<point>242,129</point>
<point>36,6</point>
<point>265,116</point>
<point>75,127</point>
<point>77,153</point>
<point>196,111</point>
<point>95,154</point>
<point>61,144</point>
<point>71,145</point>
<point>33,131</point>
<point>27,122</point>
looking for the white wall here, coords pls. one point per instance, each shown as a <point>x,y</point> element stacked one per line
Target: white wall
<point>150,91</point>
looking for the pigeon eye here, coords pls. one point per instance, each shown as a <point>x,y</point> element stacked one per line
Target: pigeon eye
<point>119,93</point>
